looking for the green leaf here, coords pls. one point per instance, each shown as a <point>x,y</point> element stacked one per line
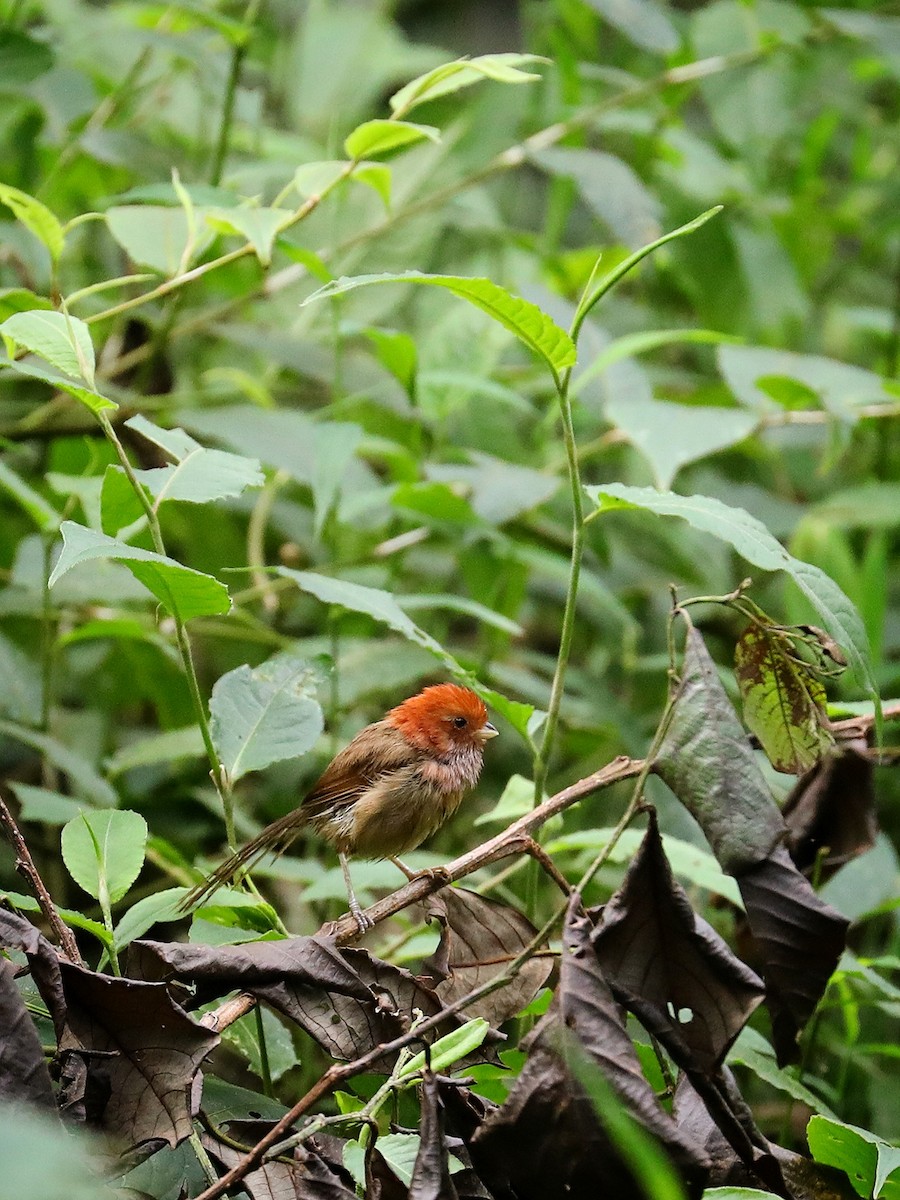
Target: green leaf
<point>83,778</point>
<point>516,799</point>
<point>171,746</point>
<point>41,804</point>
<point>450,1048</point>
<point>20,684</point>
<point>158,236</point>
<point>260,226</point>
<point>520,317</point>
<point>784,702</point>
<point>198,476</point>
<point>151,910</point>
<point>842,387</point>
<point>266,714</point>
<point>753,1051</point>
<point>43,514</point>
<point>643,22</point>
<point>379,136</point>
<point>631,344</point>
<point>183,592</point>
<point>70,916</point>
<point>382,606</point>
<point>462,73</point>
<point>871,1163</point>
<point>752,540</point>
<point>610,189</point>
<point>280,1052</point>
<point>22,58</point>
<point>35,216</point>
<point>13,300</point>
<point>61,340</point>
<point>672,435</point>
<point>104,851</point>
<point>737,1193</point>
<point>92,400</point>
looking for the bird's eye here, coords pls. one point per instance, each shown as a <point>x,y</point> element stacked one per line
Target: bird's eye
<point>460,722</point>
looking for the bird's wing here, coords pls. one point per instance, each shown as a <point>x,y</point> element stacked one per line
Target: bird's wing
<point>374,752</point>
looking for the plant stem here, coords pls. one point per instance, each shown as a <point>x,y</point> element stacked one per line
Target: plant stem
<point>238,54</point>
<point>264,1068</point>
<point>217,772</point>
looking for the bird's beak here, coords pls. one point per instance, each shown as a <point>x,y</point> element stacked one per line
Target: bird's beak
<point>487,731</point>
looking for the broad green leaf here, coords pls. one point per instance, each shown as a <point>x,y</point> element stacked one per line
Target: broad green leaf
<point>706,760</point>
<point>158,236</point>
<point>22,58</point>
<point>171,746</point>
<point>20,684</point>
<point>120,507</point>
<point>43,514</point>
<point>461,604</point>
<point>753,1051</point>
<point>783,700</point>
<point>871,1163</point>
<point>671,435</point>
<point>183,592</point>
<point>263,715</point>
<point>63,341</point>
<point>450,1048</point>
<point>83,778</point>
<point>520,317</point>
<point>280,1053</point>
<point>382,606</point>
<point>378,177</point>
<point>516,799</point>
<point>874,504</point>
<point>198,475</point>
<point>317,453</point>
<point>318,178</point>
<point>610,189</point>
<point>151,910</point>
<point>737,1193</point>
<point>13,300</point>
<point>397,352</point>
<point>452,76</point>
<point>643,22</point>
<point>841,387</point>
<point>71,917</point>
<point>104,851</point>
<point>752,541</point>
<point>260,226</point>
<point>91,399</point>
<point>379,136</point>
<point>35,216</point>
<point>41,804</point>
<point>631,344</point>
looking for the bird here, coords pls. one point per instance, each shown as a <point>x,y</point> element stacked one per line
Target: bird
<point>388,790</point>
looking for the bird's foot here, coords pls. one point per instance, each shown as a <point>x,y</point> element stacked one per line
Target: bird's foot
<point>363,923</point>
<point>439,874</point>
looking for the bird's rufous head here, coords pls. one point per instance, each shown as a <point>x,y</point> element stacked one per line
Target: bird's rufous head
<point>442,718</point>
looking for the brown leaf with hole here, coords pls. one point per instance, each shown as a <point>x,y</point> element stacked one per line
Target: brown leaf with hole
<point>140,1049</point>
<point>546,1141</point>
<point>650,942</point>
<point>830,814</point>
<point>479,939</point>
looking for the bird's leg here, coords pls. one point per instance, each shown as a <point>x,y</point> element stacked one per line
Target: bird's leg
<point>439,873</point>
<point>362,921</point>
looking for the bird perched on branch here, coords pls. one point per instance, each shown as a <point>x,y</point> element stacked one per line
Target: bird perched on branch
<point>396,783</point>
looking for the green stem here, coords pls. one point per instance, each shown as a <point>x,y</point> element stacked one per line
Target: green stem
<point>264,1068</point>
<point>238,54</point>
<point>217,771</point>
<point>47,636</point>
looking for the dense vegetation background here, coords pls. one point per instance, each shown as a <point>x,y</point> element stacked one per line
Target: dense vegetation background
<point>386,487</point>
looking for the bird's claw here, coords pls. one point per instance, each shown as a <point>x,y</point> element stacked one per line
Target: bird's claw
<point>363,923</point>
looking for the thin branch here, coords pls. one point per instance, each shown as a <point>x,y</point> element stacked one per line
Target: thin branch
<point>26,868</point>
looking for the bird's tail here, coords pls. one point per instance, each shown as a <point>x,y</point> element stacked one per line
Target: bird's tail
<point>274,839</point>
